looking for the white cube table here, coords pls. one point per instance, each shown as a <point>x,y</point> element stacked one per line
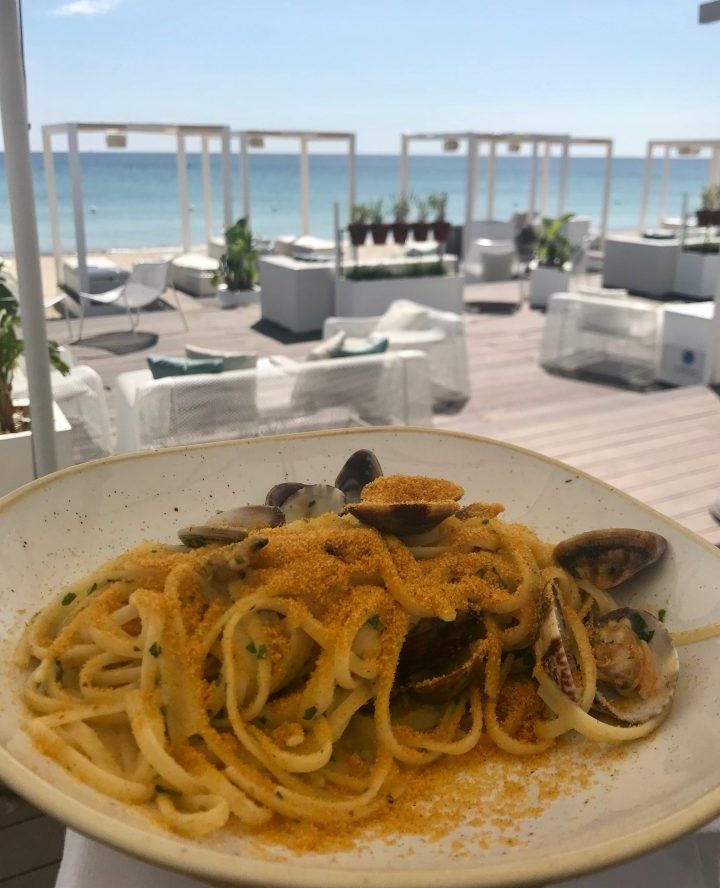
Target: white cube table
<point>686,345</point>
<point>640,265</point>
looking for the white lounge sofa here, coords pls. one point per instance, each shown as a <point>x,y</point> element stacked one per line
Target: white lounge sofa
<point>440,334</point>
<point>279,395</point>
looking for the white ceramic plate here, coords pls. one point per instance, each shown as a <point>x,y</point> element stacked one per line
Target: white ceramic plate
<point>59,528</point>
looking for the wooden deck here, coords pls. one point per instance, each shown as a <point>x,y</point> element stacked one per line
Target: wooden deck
<point>662,447</point>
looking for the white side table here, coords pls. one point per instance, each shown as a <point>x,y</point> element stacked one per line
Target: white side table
<point>686,345</point>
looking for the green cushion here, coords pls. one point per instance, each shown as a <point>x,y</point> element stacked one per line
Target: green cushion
<point>371,347</point>
<point>162,366</point>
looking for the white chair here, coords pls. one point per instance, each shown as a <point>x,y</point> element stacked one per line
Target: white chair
<point>147,282</point>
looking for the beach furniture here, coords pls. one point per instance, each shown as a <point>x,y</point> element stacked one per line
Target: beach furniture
<point>642,265</point>
<point>193,273</point>
<point>296,294</point>
<point>147,282</point>
<point>279,395</point>
<point>686,345</point>
<point>408,325</point>
<point>609,338</point>
<point>102,275</point>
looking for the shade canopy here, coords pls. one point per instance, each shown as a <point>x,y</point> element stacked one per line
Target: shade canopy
<point>680,147</point>
<point>246,138</point>
<point>180,131</point>
<point>542,146</point>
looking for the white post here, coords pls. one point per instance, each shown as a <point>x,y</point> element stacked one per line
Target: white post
<point>404,146</point>
<point>18,169</point>
<point>470,192</point>
<point>207,188</point>
<point>715,340</point>
<point>183,194</point>
<point>646,186</point>
<point>664,176</point>
<point>245,174</point>
<point>490,206</point>
<point>563,176</point>
<point>607,183</point>
<point>352,175</point>
<point>304,186</point>
<point>226,176</point>
<point>545,182</point>
<point>51,190</point>
<point>77,202</point>
<point>714,178</point>
<point>533,181</point>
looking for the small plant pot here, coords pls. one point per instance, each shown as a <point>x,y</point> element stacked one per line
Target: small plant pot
<point>714,217</point>
<point>704,218</point>
<point>379,232</point>
<point>421,230</point>
<point>358,233</point>
<point>400,231</point>
<point>441,231</point>
<point>234,298</point>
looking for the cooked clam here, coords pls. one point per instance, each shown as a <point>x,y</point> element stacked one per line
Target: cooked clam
<point>637,665</point>
<point>231,526</point>
<point>313,500</point>
<point>277,495</point>
<point>609,557</point>
<point>553,651</point>
<point>441,659</point>
<point>360,469</point>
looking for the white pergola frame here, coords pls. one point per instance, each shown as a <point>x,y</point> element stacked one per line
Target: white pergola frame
<point>540,142</point>
<point>181,132</point>
<point>669,145</point>
<point>303,137</point>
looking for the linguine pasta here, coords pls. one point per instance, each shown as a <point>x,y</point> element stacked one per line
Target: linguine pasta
<point>300,671</point>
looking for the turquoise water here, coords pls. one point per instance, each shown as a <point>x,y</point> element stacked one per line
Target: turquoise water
<point>131,199</point>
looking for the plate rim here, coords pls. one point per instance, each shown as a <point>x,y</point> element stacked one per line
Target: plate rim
<point>128,838</point>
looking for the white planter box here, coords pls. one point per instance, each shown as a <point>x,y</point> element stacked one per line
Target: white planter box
<point>16,458</point>
<point>546,281</point>
<point>233,298</point>
<point>296,295</point>
<point>696,274</point>
<point>357,299</point>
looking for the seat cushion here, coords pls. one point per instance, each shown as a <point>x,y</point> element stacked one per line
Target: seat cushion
<point>353,348</point>
<point>162,366</point>
<point>403,315</point>
<point>232,360</point>
<point>325,349</point>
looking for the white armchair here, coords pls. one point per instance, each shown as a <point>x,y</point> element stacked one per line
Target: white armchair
<point>442,340</point>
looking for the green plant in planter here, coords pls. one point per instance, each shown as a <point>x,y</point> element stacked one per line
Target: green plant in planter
<point>401,209</point>
<point>423,209</point>
<point>553,249</point>
<point>360,214</point>
<point>375,211</point>
<point>711,198</point>
<point>11,349</point>
<point>437,203</point>
<point>239,263</point>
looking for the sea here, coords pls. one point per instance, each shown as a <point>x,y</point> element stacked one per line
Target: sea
<point>131,199</point>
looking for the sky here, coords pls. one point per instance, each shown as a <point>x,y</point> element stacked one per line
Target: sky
<point>626,69</point>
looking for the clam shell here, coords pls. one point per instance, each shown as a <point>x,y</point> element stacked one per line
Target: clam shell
<point>402,519</point>
<point>277,495</point>
<point>313,500</point>
<point>632,708</point>
<point>360,469</point>
<point>552,653</point>
<point>609,557</point>
<point>231,526</point>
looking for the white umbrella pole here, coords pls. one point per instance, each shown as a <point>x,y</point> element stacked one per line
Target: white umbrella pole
<point>13,106</point>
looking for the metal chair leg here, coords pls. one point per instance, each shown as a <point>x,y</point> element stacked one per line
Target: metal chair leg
<point>82,317</point>
<point>180,309</point>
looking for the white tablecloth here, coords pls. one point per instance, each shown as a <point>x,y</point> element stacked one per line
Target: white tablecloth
<point>690,863</point>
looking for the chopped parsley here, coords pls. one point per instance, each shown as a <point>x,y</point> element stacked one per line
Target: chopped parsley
<point>374,621</point>
<point>486,521</point>
<point>251,647</point>
<point>640,627</point>
<point>260,650</point>
<point>155,649</point>
<point>59,671</point>
<point>310,713</point>
<point>68,599</point>
<point>661,614</point>
<point>92,588</point>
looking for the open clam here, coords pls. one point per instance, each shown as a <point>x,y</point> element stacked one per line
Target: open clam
<point>636,661</point>
<point>440,659</point>
<point>406,505</point>
<point>231,526</point>
<point>637,665</point>
<point>609,557</point>
<point>360,469</point>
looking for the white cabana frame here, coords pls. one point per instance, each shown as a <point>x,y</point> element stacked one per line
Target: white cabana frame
<point>542,146</point>
<point>181,132</point>
<point>304,138</point>
<point>668,146</point>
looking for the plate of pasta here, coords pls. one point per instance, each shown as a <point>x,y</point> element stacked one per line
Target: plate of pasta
<point>369,657</point>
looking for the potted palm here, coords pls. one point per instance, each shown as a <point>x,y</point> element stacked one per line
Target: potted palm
<point>710,212</point>
<point>421,227</point>
<point>400,227</point>
<point>378,228</point>
<point>553,260</point>
<point>358,228</point>
<point>235,280</point>
<point>441,227</point>
<point>15,420</point>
